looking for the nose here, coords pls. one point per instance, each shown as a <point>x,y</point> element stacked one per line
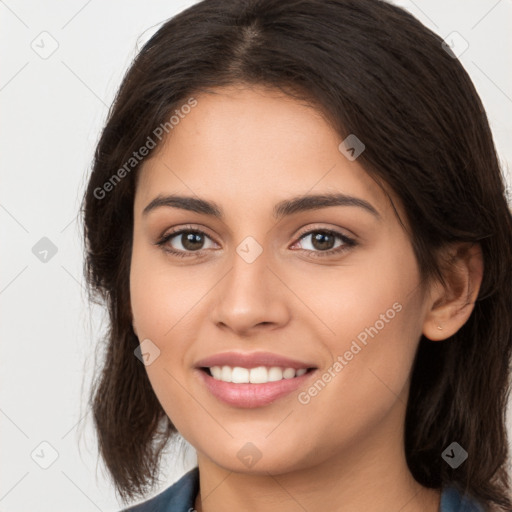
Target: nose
<point>251,296</point>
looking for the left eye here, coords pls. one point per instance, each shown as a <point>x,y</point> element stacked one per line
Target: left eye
<point>322,242</point>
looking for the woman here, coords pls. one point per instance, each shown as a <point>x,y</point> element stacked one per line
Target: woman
<point>297,220</point>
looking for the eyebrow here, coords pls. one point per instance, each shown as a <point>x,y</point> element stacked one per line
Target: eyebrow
<point>282,209</point>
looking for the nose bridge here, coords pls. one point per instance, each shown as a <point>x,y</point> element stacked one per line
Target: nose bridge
<point>250,293</point>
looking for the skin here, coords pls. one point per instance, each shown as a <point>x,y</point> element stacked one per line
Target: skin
<point>247,149</point>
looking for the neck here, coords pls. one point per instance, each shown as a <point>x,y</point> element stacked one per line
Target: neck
<point>371,475</point>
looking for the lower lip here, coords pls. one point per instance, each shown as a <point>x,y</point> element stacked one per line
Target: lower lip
<point>250,396</point>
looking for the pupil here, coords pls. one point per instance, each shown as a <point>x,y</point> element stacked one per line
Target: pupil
<point>189,239</point>
<point>319,241</point>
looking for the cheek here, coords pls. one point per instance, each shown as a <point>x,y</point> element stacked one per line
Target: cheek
<point>376,321</point>
<point>158,302</point>
<point>373,296</point>
<point>372,310</point>
<point>165,302</point>
<point>162,295</point>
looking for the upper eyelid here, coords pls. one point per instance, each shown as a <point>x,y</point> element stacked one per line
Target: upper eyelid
<point>181,230</point>
<point>336,230</point>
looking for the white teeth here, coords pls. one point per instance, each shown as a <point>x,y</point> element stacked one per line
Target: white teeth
<point>226,374</point>
<point>216,372</point>
<point>289,373</point>
<point>259,375</point>
<point>239,375</point>
<point>275,373</point>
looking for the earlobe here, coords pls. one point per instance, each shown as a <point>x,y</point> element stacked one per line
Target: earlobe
<point>452,304</point>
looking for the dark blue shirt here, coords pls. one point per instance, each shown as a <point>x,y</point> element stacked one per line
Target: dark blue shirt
<point>181,496</point>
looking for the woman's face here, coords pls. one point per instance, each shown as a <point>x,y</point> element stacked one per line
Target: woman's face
<point>335,288</point>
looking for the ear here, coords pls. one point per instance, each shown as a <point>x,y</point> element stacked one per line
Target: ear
<point>450,305</point>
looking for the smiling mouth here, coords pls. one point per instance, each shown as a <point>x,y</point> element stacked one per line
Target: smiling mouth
<point>257,375</point>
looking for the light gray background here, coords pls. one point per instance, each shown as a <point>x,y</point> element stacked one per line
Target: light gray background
<point>52,110</point>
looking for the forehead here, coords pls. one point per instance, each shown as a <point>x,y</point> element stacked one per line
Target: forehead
<point>253,146</point>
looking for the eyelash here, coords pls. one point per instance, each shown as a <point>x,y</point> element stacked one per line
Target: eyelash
<point>347,242</point>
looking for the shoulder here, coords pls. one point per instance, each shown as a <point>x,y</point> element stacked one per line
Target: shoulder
<point>453,501</point>
<point>179,497</point>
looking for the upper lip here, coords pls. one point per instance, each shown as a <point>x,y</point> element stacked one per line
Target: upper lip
<point>252,360</point>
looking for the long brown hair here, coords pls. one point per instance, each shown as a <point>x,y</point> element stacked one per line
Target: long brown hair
<point>372,69</point>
